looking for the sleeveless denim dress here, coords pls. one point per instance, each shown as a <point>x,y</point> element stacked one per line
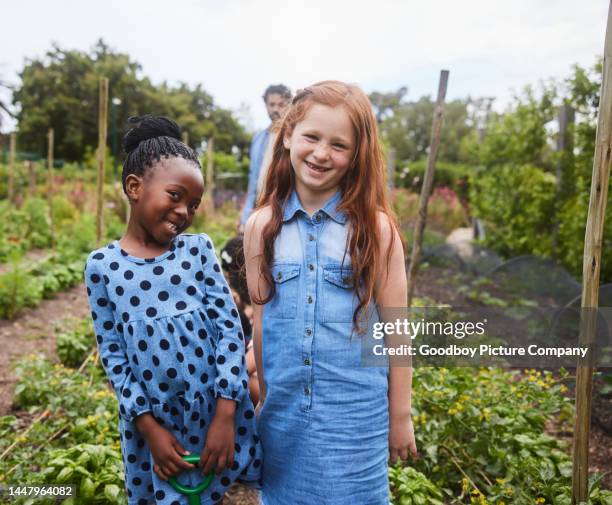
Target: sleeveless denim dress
<point>324,422</point>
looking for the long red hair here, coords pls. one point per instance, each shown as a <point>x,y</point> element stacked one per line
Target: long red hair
<point>363,187</point>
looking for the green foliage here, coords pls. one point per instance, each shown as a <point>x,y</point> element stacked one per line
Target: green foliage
<point>517,201</point>
<point>516,191</point>
<point>455,176</point>
<point>410,487</point>
<point>444,210</point>
<point>60,91</point>
<point>406,125</point>
<point>479,449</point>
<point>18,289</point>
<point>220,226</point>
<point>74,345</point>
<point>25,283</point>
<point>73,438</point>
<point>23,229</point>
<point>96,470</point>
<point>519,136</point>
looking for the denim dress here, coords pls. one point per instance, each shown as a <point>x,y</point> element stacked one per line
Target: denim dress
<point>324,422</point>
<point>171,344</point>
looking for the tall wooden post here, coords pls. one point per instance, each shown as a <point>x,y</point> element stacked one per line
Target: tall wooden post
<point>565,147</point>
<point>391,160</point>
<point>210,176</point>
<point>11,169</point>
<point>50,141</point>
<point>186,137</point>
<point>102,133</point>
<point>419,225</point>
<point>602,163</point>
<point>31,169</point>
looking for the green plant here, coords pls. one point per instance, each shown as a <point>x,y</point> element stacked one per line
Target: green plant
<point>97,471</point>
<point>517,202</point>
<point>73,346</point>
<point>410,487</point>
<point>18,289</point>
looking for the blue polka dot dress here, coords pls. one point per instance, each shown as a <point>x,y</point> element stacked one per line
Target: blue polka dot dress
<point>170,340</point>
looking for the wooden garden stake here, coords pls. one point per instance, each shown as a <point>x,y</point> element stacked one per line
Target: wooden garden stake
<point>31,168</point>
<point>391,167</point>
<point>419,225</point>
<point>50,140</point>
<point>210,167</point>
<point>590,271</point>
<point>11,169</point>
<point>102,131</point>
<point>564,150</point>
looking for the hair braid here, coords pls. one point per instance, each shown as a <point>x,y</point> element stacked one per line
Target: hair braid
<point>152,139</point>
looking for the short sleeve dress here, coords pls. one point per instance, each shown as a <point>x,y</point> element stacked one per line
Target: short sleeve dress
<point>171,343</point>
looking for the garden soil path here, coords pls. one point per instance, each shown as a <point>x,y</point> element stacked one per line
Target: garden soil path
<point>34,332</point>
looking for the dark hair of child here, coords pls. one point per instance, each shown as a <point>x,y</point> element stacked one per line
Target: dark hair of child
<point>152,139</point>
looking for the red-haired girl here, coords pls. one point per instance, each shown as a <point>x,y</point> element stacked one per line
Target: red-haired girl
<point>322,249</point>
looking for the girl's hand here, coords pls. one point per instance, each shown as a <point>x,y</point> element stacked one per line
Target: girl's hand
<point>218,452</point>
<point>401,439</point>
<point>165,448</point>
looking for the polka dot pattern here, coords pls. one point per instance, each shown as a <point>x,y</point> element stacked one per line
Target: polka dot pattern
<point>180,358</point>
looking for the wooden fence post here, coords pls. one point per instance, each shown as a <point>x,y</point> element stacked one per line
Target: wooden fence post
<point>590,271</point>
<point>11,169</point>
<point>391,160</point>
<point>210,176</point>
<point>31,169</point>
<point>50,141</point>
<point>186,138</point>
<point>564,179</point>
<point>102,132</point>
<point>419,225</point>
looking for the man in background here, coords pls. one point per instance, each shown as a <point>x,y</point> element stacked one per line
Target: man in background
<point>276,98</point>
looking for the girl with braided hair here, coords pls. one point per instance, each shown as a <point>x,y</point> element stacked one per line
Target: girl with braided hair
<point>168,331</point>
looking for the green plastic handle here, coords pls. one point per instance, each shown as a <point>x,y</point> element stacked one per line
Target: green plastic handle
<point>192,493</point>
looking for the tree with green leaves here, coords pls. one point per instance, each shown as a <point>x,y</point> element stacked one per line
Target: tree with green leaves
<point>518,189</point>
<point>60,91</point>
<point>406,125</point>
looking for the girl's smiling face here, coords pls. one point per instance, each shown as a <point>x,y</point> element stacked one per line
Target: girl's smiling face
<point>322,147</point>
<point>165,200</point>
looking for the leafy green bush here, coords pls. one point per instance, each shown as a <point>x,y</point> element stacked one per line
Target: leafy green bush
<point>517,202</point>
<point>18,289</point>
<point>410,487</point>
<point>38,232</point>
<point>73,346</point>
<point>447,175</point>
<point>482,435</point>
<point>97,471</point>
<point>444,211</point>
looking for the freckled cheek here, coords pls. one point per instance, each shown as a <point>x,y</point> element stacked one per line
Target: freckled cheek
<point>342,162</point>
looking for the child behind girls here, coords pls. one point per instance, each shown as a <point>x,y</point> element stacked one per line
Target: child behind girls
<point>168,331</point>
<point>323,228</point>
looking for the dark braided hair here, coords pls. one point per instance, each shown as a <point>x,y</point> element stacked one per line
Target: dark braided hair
<point>153,138</point>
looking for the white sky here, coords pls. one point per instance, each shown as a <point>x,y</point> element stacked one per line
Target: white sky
<point>237,47</point>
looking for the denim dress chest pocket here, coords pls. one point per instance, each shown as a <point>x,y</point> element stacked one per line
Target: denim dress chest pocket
<point>287,283</point>
<point>338,296</point>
